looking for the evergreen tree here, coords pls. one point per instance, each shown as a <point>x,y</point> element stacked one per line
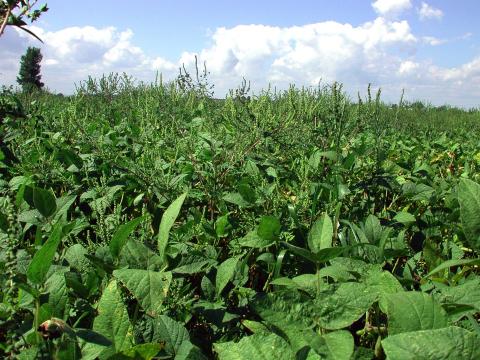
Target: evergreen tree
<point>29,75</point>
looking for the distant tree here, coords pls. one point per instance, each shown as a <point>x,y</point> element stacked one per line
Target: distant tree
<point>14,13</point>
<point>29,76</point>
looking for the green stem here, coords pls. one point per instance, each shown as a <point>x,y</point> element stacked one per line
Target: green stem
<point>318,280</point>
<point>37,322</point>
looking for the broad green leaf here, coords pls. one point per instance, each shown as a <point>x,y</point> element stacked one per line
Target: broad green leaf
<point>320,235</point>
<point>354,265</point>
<point>339,307</point>
<point>255,326</point>
<point>170,332</point>
<point>28,194</point>
<point>305,282</point>
<point>31,217</point>
<point>337,345</point>
<point>450,263</point>
<point>63,204</point>
<point>139,352</point>
<point>464,294</point>
<point>168,219</point>
<point>68,157</point>
<point>67,350</point>
<point>208,288</point>
<point>74,281</point>
<point>44,201</point>
<point>272,172</point>
<point>358,233</point>
<point>188,351</point>
<point>381,283</point>
<point>247,193</point>
<point>138,199</point>
<point>342,191</point>
<point>337,272</point>
<point>93,337</point>
<point>150,288</point>
<point>432,255</point>
<point>469,200</point>
<point>300,252</point>
<point>320,257</point>
<point>373,229</point>
<point>404,218</point>
<point>412,311</point>
<point>32,353</point>
<point>236,199</point>
<point>112,322</point>
<point>330,155</point>
<point>287,310</point>
<point>75,255</point>
<point>253,240</point>
<point>122,234</point>
<point>45,312</point>
<point>215,312</point>
<point>42,260</point>
<point>257,346</point>
<point>269,228</point>
<point>284,281</point>
<point>17,181</point>
<point>194,267</point>
<point>363,353</point>
<point>335,307</point>
<point>225,272</point>
<point>331,346</point>
<point>57,294</point>
<point>101,263</point>
<point>327,254</point>
<point>222,226</point>
<point>136,255</point>
<point>449,343</point>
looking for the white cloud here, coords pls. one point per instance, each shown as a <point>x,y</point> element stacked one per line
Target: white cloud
<point>381,52</point>
<point>408,67</point>
<point>458,85</point>
<point>304,54</point>
<point>72,54</point>
<point>391,8</point>
<point>433,41</point>
<point>427,11</point>
<point>469,71</point>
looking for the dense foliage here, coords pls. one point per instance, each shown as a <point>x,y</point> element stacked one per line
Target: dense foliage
<point>29,75</point>
<point>142,221</point>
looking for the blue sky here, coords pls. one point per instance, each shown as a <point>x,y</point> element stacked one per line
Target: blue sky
<point>430,47</point>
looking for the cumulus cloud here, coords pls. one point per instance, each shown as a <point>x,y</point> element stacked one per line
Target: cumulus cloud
<point>381,52</point>
<point>427,11</point>
<point>391,8</point>
<point>306,54</point>
<point>72,54</point>
<point>469,71</point>
<point>456,85</point>
<point>408,67</point>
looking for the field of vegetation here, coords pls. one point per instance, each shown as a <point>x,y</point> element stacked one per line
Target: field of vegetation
<point>151,221</point>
